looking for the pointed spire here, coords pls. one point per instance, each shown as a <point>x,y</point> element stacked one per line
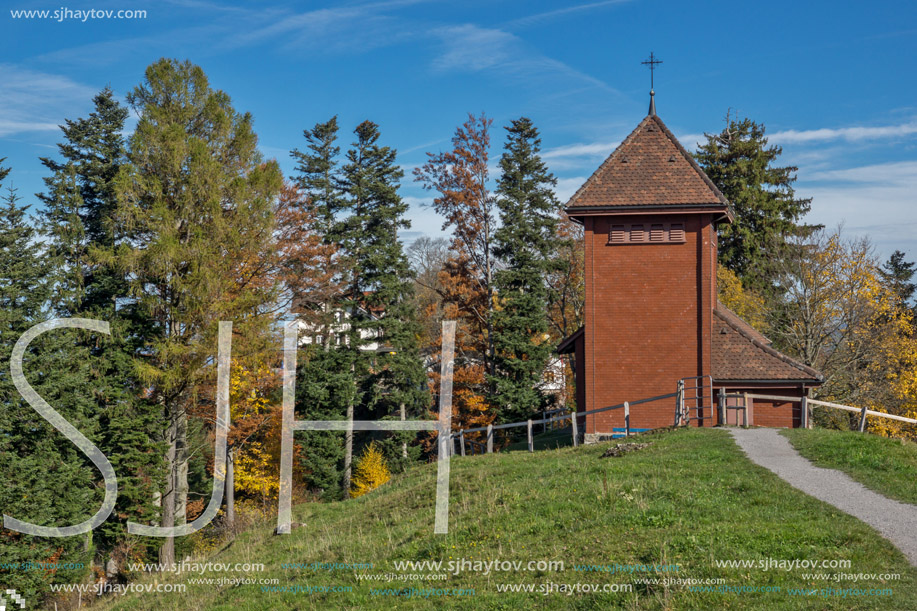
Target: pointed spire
<point>652,111</point>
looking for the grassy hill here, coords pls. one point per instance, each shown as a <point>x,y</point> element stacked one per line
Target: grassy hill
<point>687,501</point>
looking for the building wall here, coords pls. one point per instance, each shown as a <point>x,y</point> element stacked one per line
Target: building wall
<point>649,314</point>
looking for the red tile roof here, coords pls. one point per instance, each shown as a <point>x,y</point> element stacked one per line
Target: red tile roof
<point>650,168</point>
<point>741,353</point>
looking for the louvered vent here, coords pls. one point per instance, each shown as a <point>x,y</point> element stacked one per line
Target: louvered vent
<point>677,233</point>
<point>657,233</point>
<point>637,234</point>
<point>617,235</point>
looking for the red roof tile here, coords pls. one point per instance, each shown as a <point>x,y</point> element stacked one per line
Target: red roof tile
<point>650,168</point>
<point>742,353</point>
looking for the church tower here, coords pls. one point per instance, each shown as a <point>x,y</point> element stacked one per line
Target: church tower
<point>650,215</point>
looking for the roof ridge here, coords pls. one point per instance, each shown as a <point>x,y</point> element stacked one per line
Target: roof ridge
<point>767,349</point>
<point>692,161</point>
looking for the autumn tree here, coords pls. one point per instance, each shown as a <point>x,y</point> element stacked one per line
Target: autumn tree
<point>461,179</point>
<point>525,244</point>
<point>427,257</point>
<point>196,199</point>
<point>834,313</point>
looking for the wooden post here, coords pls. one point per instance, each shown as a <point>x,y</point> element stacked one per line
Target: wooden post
<point>230,490</point>
<point>749,411</point>
<point>490,438</point>
<point>721,407</point>
<point>462,443</point>
<point>575,432</point>
<point>531,439</point>
<point>804,412</point>
<point>626,419</point>
<point>863,420</point>
<point>680,404</point>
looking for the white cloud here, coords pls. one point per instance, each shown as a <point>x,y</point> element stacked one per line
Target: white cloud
<point>590,149</point>
<point>566,187</point>
<point>470,48</point>
<point>849,134</point>
<point>550,15</point>
<point>878,200</point>
<point>33,101</point>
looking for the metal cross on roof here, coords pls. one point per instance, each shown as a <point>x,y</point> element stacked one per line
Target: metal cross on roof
<point>652,62</point>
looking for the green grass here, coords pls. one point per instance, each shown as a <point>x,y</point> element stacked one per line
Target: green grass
<point>689,499</point>
<point>888,466</point>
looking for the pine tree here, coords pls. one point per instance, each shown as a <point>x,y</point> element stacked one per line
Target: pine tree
<point>196,200</point>
<point>741,164</point>
<point>316,173</point>
<point>525,244</point>
<point>77,222</point>
<point>384,331</point>
<point>898,274</point>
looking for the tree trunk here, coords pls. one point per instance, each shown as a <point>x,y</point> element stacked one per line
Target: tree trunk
<point>230,490</point>
<point>181,466</point>
<point>404,444</point>
<point>348,449</point>
<point>167,551</point>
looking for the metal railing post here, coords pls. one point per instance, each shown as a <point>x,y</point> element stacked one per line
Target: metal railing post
<point>531,439</point>
<point>490,438</point>
<point>575,432</point>
<point>863,419</point>
<point>462,443</point>
<point>626,419</point>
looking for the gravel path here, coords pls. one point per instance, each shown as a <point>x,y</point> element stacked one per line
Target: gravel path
<point>896,521</point>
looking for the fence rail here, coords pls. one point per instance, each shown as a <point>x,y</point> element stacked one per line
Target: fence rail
<point>806,417</point>
<point>573,416</point>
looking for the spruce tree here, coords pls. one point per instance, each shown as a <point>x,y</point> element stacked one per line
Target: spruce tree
<point>525,245</point>
<point>898,274</point>
<point>741,164</point>
<point>391,378</point>
<point>316,173</point>
<point>78,225</point>
<point>324,388</point>
<point>46,479</point>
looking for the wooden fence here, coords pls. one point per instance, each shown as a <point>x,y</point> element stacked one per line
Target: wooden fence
<point>487,446</point>
<point>805,408</point>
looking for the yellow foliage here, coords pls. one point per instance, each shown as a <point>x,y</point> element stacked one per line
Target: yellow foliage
<point>255,471</point>
<point>370,472</point>
<point>747,304</point>
<point>254,427</point>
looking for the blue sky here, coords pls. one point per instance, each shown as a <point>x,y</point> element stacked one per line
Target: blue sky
<point>833,82</point>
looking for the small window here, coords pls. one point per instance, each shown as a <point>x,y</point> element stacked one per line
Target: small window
<point>657,233</point>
